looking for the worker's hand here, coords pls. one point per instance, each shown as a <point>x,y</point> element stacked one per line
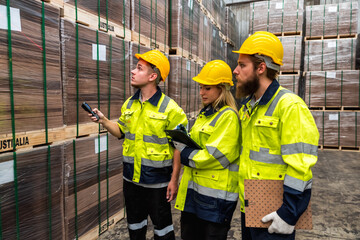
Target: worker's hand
<point>179,146</point>
<point>278,225</point>
<point>100,114</point>
<point>172,190</point>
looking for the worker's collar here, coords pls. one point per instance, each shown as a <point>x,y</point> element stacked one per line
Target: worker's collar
<point>208,110</point>
<point>154,100</point>
<point>269,93</point>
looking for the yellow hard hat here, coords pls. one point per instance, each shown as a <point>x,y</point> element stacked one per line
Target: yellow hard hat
<point>263,43</point>
<point>214,73</point>
<point>158,59</point>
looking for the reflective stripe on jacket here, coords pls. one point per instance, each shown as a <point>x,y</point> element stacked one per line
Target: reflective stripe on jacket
<point>147,155</point>
<point>280,142</point>
<point>209,185</point>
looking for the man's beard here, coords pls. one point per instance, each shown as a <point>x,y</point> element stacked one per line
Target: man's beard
<point>248,88</point>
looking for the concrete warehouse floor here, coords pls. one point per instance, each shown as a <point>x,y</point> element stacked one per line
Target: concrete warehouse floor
<point>335,202</point>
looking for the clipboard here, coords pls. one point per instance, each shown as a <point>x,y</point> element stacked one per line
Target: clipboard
<point>181,136</point>
<point>265,196</point>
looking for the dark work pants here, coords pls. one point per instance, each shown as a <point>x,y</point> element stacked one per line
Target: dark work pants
<point>248,233</point>
<point>194,228</point>
<point>141,202</point>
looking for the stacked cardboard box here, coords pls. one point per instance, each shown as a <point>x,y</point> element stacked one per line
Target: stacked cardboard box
<point>31,186</point>
<point>332,83</point>
<point>277,16</point>
<point>331,20</point>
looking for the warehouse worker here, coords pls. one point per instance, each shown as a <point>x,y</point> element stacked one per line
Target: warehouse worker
<point>150,174</point>
<point>208,190</point>
<point>279,135</point>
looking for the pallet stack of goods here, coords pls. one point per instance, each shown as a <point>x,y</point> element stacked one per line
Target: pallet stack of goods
<point>54,56</point>
<point>332,81</point>
<point>284,18</point>
<point>61,174</point>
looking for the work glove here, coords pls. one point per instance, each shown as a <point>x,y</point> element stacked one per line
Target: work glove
<point>278,225</point>
<point>179,146</point>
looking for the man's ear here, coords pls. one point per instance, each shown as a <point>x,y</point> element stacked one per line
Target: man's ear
<point>261,68</point>
<point>153,76</point>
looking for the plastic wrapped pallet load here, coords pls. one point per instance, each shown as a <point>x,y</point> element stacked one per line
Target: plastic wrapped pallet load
<point>30,86</point>
<point>95,70</point>
<point>205,31</point>
<point>276,16</point>
<point>182,88</point>
<point>338,128</point>
<point>332,19</point>
<point>332,88</point>
<point>217,45</point>
<point>231,28</point>
<point>150,23</point>
<point>290,82</point>
<point>292,53</point>
<point>97,167</point>
<point>185,18</point>
<point>115,13</point>
<point>330,54</point>
<point>31,186</point>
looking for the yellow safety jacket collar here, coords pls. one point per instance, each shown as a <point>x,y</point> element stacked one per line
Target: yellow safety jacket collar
<point>154,100</point>
<point>209,110</point>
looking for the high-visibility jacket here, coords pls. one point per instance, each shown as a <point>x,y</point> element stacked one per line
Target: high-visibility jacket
<point>147,155</point>
<point>209,184</point>
<point>280,142</point>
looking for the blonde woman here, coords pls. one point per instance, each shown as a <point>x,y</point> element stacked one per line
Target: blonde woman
<point>208,190</point>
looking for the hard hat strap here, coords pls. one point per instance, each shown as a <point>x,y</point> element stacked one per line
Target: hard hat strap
<point>269,62</point>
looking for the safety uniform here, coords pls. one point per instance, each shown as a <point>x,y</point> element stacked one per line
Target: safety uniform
<point>147,156</point>
<point>208,186</point>
<point>280,142</point>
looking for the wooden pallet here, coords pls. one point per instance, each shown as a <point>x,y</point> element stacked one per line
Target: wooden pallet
<point>85,129</point>
<point>335,108</point>
<point>92,21</point>
<point>94,233</point>
<point>287,34</point>
<point>181,52</point>
<point>148,42</point>
<point>31,139</point>
<point>339,148</point>
<point>58,3</point>
<point>340,36</point>
<point>297,73</point>
<point>229,41</point>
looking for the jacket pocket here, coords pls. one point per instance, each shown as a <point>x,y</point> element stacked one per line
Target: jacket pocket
<point>267,132</point>
<point>264,171</point>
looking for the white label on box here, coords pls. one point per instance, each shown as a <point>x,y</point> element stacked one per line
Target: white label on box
<point>188,66</point>
<point>221,43</point>
<point>333,9</point>
<point>331,74</point>
<point>191,4</point>
<point>103,144</point>
<point>214,33</point>
<point>102,52</point>
<point>15,18</point>
<point>205,21</point>
<point>331,44</point>
<point>279,6</point>
<point>6,172</point>
<point>333,117</point>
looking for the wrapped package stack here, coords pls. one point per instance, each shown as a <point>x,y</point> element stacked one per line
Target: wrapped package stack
<point>182,88</point>
<point>92,184</point>
<point>112,16</point>
<point>96,70</point>
<point>30,85</point>
<point>32,196</point>
<point>338,129</point>
<point>332,20</point>
<point>231,29</point>
<point>281,17</point>
<point>150,23</point>
<point>331,75</point>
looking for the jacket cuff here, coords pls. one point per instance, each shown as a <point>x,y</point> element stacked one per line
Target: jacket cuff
<point>184,155</point>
